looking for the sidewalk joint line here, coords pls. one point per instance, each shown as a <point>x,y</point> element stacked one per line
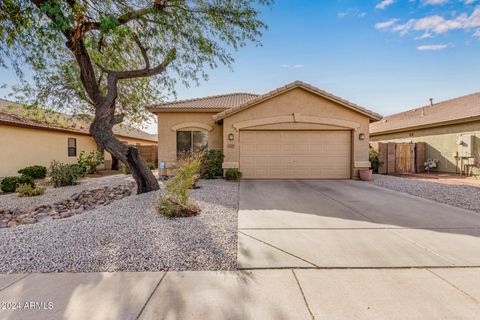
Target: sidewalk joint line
<point>361,268</point>
<point>151,295</point>
<point>268,244</point>
<point>303,294</point>
<point>11,284</point>
<point>454,286</point>
<point>422,247</point>
<point>361,228</point>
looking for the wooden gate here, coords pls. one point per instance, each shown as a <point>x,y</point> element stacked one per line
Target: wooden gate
<point>405,158</point>
<point>401,157</point>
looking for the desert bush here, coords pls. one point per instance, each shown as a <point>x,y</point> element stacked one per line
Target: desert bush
<point>151,165</point>
<point>125,169</point>
<point>374,160</point>
<point>26,190</point>
<point>232,174</point>
<point>63,174</point>
<point>88,163</point>
<point>175,202</point>
<point>10,184</point>
<point>36,172</point>
<point>211,164</point>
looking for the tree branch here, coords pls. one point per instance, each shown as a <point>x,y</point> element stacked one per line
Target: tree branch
<point>126,17</point>
<point>143,50</point>
<point>117,119</point>
<point>114,76</point>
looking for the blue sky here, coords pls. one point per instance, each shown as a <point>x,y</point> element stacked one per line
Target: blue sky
<point>387,56</point>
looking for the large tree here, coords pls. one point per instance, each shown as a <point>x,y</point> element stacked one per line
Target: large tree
<point>110,58</point>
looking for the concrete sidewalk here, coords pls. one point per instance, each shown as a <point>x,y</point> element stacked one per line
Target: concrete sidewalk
<point>260,294</point>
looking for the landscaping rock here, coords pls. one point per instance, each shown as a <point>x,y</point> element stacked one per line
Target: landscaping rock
<point>76,204</point>
<point>130,235</point>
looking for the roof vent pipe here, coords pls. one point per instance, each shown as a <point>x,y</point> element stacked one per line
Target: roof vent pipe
<point>431,102</point>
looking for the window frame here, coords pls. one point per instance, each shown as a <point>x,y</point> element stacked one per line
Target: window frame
<point>72,151</point>
<point>192,139</point>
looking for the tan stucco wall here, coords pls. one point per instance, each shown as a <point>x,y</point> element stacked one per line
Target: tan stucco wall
<point>21,147</point>
<point>167,137</point>
<point>303,103</point>
<point>441,142</point>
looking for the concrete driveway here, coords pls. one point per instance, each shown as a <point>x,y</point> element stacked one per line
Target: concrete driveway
<point>350,224</point>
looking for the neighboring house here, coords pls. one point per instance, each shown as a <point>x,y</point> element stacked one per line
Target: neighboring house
<point>39,136</point>
<point>294,132</point>
<point>450,129</point>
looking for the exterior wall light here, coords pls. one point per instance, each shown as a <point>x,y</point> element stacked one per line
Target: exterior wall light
<point>361,136</point>
<point>230,137</point>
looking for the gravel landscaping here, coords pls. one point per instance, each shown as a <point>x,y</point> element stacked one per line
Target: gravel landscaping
<point>12,201</point>
<point>462,196</point>
<point>129,235</point>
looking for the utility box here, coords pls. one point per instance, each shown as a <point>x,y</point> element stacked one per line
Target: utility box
<point>465,144</point>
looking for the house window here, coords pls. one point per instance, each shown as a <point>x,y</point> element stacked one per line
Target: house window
<point>191,141</point>
<point>72,147</point>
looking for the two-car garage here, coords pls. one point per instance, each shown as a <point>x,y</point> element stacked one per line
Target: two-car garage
<point>295,154</point>
<point>296,132</point>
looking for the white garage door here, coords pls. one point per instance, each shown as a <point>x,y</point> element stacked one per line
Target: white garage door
<point>295,154</point>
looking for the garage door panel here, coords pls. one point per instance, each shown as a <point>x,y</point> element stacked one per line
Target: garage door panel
<point>295,154</point>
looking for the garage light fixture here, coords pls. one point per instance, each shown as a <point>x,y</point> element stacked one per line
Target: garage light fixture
<point>361,136</point>
<point>230,137</point>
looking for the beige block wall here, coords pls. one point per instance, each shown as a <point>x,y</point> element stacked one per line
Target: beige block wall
<point>21,147</point>
<point>167,138</point>
<point>441,142</point>
<point>305,103</point>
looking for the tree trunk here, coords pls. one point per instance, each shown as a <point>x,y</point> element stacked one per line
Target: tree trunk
<point>103,135</point>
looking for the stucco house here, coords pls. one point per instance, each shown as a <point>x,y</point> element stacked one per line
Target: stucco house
<point>450,130</point>
<point>37,137</point>
<point>293,132</point>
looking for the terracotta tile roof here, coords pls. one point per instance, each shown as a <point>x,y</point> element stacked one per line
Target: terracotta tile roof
<point>219,102</point>
<point>459,109</point>
<point>298,84</point>
<point>15,114</point>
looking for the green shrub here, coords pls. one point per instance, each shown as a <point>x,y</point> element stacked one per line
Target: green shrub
<point>211,164</point>
<point>175,202</point>
<point>26,190</point>
<point>151,165</point>
<point>63,174</point>
<point>36,172</point>
<point>10,184</point>
<point>232,174</point>
<point>125,169</point>
<point>374,161</point>
<point>89,163</point>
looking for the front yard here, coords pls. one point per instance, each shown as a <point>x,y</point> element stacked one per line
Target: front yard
<point>127,235</point>
<point>456,195</point>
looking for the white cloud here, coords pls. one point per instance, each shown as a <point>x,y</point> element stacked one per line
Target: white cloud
<point>432,47</point>
<point>467,2</point>
<point>385,3</point>
<point>385,24</point>
<point>435,2</point>
<point>435,24</point>
<point>354,12</point>
<point>295,66</point>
